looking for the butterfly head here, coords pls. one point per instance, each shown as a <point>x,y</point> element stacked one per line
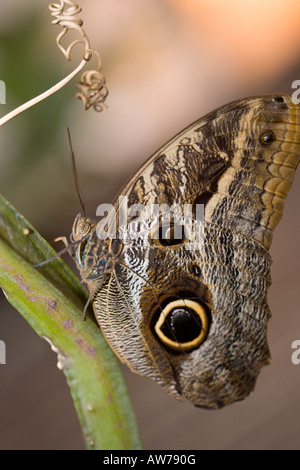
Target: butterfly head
<point>84,233</point>
<point>81,227</point>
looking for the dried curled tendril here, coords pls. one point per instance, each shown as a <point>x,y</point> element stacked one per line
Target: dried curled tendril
<point>92,85</point>
<point>93,89</point>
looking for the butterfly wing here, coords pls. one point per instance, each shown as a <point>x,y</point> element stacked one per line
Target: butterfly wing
<point>191,311</point>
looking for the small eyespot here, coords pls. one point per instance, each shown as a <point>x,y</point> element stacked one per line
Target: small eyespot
<point>195,269</point>
<point>182,325</point>
<point>267,137</point>
<point>278,99</point>
<point>168,234</point>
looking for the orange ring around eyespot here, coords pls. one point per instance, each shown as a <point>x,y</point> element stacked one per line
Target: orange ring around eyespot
<point>198,309</point>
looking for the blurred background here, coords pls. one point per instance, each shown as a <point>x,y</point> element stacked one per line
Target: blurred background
<point>167,63</point>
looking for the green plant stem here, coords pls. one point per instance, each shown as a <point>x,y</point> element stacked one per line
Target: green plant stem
<point>42,297</point>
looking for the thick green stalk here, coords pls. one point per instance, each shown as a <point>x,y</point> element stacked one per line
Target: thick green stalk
<point>50,299</point>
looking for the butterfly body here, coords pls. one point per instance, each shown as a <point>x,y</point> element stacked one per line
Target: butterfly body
<point>182,298</point>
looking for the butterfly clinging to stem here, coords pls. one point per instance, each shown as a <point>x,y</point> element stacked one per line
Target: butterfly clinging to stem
<point>183,300</point>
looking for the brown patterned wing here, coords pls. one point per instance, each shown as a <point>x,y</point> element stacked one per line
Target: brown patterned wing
<point>191,311</point>
<point>253,143</point>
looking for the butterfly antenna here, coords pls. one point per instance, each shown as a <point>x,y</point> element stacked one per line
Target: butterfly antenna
<point>75,174</point>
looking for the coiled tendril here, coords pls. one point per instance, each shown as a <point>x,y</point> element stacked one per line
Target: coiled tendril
<point>92,84</point>
<point>65,17</point>
<point>94,90</point>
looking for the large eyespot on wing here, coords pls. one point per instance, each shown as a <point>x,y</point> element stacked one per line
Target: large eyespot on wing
<point>228,275</point>
<point>182,325</point>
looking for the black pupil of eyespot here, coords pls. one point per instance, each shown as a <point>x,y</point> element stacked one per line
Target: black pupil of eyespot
<point>182,325</point>
<point>268,137</point>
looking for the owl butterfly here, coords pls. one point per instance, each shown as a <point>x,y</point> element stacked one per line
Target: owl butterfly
<point>190,311</point>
